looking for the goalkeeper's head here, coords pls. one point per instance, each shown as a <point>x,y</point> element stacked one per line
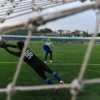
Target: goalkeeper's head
<point>20,45</point>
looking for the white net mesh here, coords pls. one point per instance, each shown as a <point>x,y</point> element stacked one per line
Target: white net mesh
<point>10,7</point>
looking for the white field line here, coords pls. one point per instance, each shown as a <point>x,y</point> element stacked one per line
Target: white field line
<point>75,50</point>
<point>4,62</point>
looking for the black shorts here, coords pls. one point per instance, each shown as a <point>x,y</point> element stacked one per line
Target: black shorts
<point>41,69</point>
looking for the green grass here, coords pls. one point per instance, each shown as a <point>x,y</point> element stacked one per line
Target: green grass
<point>62,56</point>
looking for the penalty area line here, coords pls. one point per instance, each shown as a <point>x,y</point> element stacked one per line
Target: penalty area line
<point>8,62</point>
<point>62,63</point>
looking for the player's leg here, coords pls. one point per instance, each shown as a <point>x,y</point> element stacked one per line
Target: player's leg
<point>54,74</point>
<point>47,80</point>
<point>46,54</point>
<point>50,56</point>
<point>43,76</point>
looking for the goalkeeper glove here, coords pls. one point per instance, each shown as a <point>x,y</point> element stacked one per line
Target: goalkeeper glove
<point>3,44</point>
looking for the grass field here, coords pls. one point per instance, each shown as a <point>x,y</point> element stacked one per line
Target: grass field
<point>67,60</point>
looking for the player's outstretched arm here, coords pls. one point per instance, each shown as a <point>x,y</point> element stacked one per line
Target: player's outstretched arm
<point>10,45</point>
<point>5,46</point>
<point>12,52</point>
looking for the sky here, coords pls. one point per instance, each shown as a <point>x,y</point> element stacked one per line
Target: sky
<point>84,21</point>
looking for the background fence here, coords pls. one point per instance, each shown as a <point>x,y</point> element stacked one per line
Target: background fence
<point>55,39</point>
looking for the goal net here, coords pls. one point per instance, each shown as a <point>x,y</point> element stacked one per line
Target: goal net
<point>10,9</point>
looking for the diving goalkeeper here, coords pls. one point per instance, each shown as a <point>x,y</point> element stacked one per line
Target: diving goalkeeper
<point>33,61</point>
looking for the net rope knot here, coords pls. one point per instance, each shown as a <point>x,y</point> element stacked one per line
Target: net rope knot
<point>9,11</point>
<point>2,20</point>
<point>10,89</point>
<point>30,27</point>
<point>76,87</point>
<point>33,23</point>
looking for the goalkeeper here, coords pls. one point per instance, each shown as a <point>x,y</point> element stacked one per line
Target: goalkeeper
<point>31,59</point>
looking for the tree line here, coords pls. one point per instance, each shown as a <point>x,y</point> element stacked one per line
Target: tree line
<point>44,31</point>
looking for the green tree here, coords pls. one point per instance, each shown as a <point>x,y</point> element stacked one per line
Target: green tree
<point>42,31</point>
<point>60,31</point>
<point>22,32</point>
<point>47,30</point>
